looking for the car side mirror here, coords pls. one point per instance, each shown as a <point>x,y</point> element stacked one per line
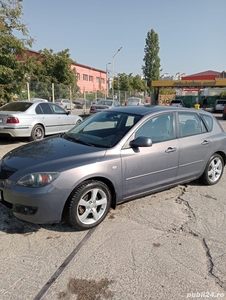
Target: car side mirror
<point>141,141</point>
<point>68,112</point>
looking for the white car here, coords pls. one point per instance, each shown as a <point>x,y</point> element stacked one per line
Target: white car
<point>219,105</point>
<point>177,103</point>
<point>65,103</point>
<point>134,101</point>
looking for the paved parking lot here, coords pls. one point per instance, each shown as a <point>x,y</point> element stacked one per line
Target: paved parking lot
<point>170,245</point>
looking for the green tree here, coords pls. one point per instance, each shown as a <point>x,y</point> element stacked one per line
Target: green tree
<point>12,69</point>
<point>151,67</point>
<point>138,83</point>
<point>55,68</point>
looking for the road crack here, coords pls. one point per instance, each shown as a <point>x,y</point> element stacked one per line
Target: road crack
<point>186,229</point>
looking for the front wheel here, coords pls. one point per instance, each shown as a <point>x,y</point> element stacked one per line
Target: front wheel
<point>214,170</point>
<point>89,205</point>
<point>37,133</point>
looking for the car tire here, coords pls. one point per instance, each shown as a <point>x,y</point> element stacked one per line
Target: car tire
<point>88,205</point>
<point>224,116</point>
<point>37,133</point>
<point>78,122</point>
<point>214,170</point>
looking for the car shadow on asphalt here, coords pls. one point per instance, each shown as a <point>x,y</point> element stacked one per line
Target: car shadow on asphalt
<point>12,225</point>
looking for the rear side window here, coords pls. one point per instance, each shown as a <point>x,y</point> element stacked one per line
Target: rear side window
<point>190,124</point>
<point>43,108</point>
<point>208,120</point>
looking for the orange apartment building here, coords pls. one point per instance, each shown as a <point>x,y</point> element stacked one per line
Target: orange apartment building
<point>89,79</point>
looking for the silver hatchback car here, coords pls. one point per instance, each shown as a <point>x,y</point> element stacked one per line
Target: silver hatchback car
<point>111,157</point>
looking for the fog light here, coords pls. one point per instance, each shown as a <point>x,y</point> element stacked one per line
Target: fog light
<point>25,210</point>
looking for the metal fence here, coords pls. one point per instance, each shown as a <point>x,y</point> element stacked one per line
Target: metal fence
<point>53,91</point>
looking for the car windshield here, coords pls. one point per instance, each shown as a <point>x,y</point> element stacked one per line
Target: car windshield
<point>16,106</point>
<point>104,129</point>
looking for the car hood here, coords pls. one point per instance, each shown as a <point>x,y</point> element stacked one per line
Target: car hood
<point>51,154</point>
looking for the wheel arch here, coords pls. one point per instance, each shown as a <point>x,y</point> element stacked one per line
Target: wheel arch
<point>38,124</point>
<point>223,155</point>
<point>97,178</point>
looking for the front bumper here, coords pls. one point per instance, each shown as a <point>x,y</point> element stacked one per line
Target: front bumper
<point>36,205</point>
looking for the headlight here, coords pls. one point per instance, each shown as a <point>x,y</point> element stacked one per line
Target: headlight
<point>37,179</point>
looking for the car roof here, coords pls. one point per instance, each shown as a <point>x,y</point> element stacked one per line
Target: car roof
<point>144,110</point>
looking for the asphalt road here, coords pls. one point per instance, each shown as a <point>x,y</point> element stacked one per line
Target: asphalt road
<point>170,245</point>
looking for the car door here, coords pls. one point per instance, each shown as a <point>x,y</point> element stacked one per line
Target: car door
<point>64,119</point>
<point>150,168</point>
<point>195,145</point>
<point>47,117</point>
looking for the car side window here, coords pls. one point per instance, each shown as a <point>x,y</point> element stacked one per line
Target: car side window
<point>190,124</point>
<point>57,109</point>
<point>159,128</point>
<point>38,110</point>
<point>208,121</point>
<point>43,108</point>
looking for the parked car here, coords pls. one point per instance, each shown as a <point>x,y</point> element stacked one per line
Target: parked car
<point>133,101</point>
<point>219,105</point>
<point>39,99</point>
<point>81,103</point>
<point>111,157</point>
<point>103,104</point>
<point>177,103</point>
<point>35,119</point>
<point>65,103</point>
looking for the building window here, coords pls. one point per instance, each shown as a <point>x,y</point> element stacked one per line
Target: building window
<point>78,76</point>
<point>98,79</point>
<point>102,80</point>
<point>85,77</point>
<point>90,78</point>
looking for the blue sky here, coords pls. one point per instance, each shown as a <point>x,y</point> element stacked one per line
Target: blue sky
<point>192,34</point>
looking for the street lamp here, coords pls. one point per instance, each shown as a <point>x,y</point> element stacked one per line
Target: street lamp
<point>107,78</point>
<point>112,64</point>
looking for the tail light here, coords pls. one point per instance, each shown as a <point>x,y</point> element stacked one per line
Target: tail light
<point>91,108</point>
<point>138,103</point>
<point>125,104</point>
<point>12,120</point>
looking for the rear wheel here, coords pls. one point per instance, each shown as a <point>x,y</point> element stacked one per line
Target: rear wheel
<point>37,133</point>
<point>88,205</point>
<point>214,170</point>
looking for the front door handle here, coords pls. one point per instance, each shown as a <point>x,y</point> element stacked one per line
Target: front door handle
<point>170,150</point>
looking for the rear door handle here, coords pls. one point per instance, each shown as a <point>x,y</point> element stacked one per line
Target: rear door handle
<point>206,142</point>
